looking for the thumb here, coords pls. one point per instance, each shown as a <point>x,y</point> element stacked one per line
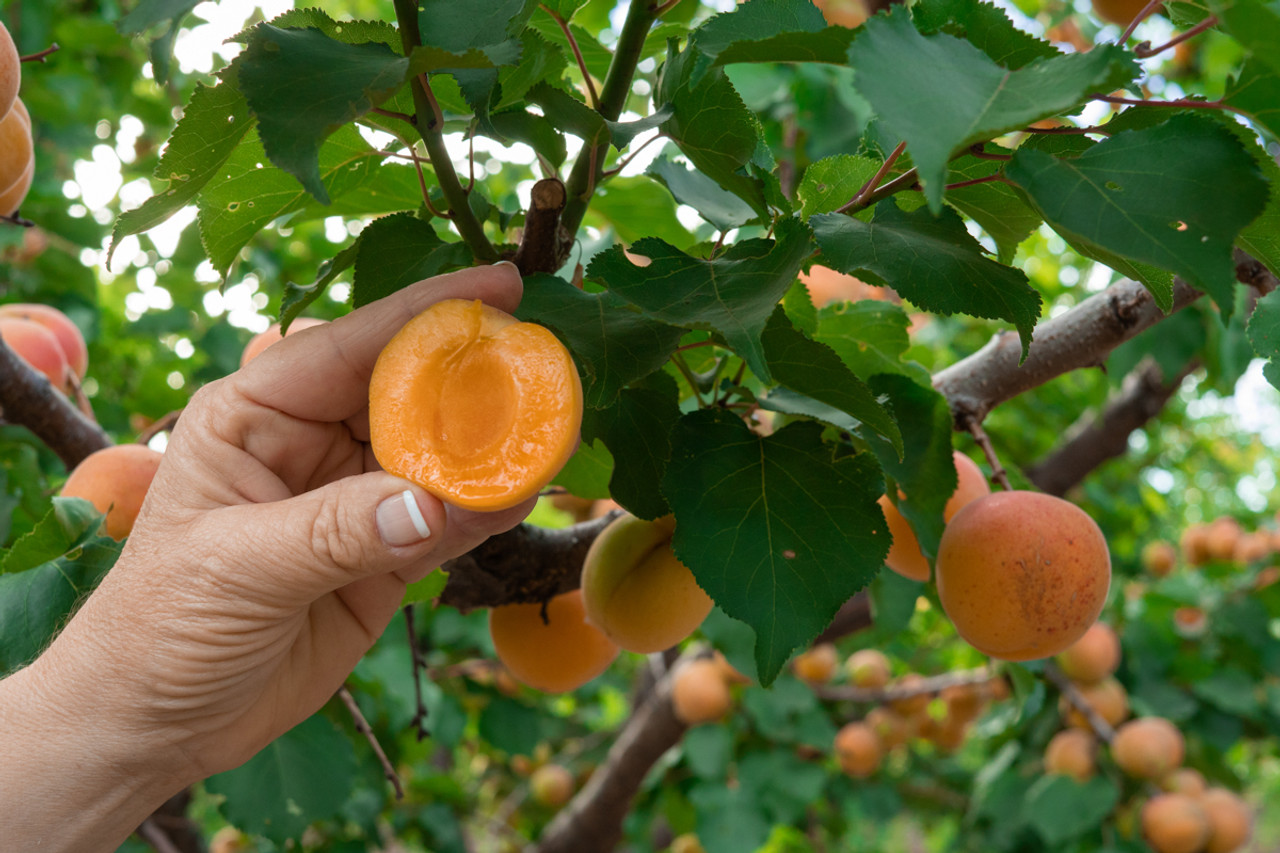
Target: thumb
<point>327,538</point>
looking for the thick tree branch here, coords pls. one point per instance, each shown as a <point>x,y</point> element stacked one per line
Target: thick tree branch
<point>884,695</point>
<point>1100,437</point>
<point>28,399</point>
<point>592,821</point>
<point>545,244</point>
<point>853,616</point>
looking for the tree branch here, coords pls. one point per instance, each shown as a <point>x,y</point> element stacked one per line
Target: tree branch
<point>545,244</point>
<point>28,399</point>
<point>1097,438</point>
<point>884,695</point>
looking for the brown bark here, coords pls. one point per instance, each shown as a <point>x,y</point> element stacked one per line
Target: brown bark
<point>544,244</point>
<point>28,399</point>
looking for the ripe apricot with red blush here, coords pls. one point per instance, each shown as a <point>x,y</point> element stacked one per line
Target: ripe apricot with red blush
<point>67,332</point>
<point>115,480</point>
<point>1022,575</point>
<point>475,406</point>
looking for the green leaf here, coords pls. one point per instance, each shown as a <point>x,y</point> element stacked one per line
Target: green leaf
<point>636,207</point>
<point>211,126</point>
<point>248,193</point>
<point>536,131</point>
<point>771,31</point>
<point>303,85</point>
<point>478,23</point>
<point>711,125</point>
<point>893,601</point>
<point>832,182</point>
<point>870,336</point>
<point>148,13</point>
<point>637,431</point>
<point>814,369</point>
<point>539,60</point>
<point>297,297</point>
<point>997,207</point>
<point>396,251</point>
<point>348,32</point>
<point>427,590</point>
<point>510,726</point>
<point>1256,92</point>
<point>920,101</point>
<point>1253,23</point>
<point>612,343</point>
<point>1232,690</point>
<point>734,293</point>
<point>45,576</point>
<point>985,26</point>
<point>1131,193</point>
<point>569,114</point>
<point>933,262</point>
<point>304,775</point>
<point>587,472</point>
<point>780,531</point>
<point>1059,808</point>
<point>1264,333</point>
<point>718,206</point>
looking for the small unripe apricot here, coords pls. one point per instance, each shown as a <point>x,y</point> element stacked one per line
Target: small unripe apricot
<point>475,406</point>
<point>858,749</point>
<point>1022,575</point>
<point>1230,820</point>
<point>699,693</point>
<point>1175,823</point>
<point>636,591</point>
<point>868,668</point>
<point>1093,657</point>
<point>1184,780</point>
<point>905,556</point>
<point>559,655</point>
<point>1148,748</point>
<point>1072,752</point>
<point>551,785</point>
<point>1107,697</point>
<point>1159,557</point>
<point>67,333</point>
<point>115,480</point>
<point>38,347</point>
<point>259,342</point>
<point>818,664</point>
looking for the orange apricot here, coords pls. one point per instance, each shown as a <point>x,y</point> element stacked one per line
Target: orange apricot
<point>13,197</point>
<point>1252,547</point>
<point>890,727</point>
<point>699,692</point>
<point>1175,823</point>
<point>1230,820</point>
<point>1148,747</point>
<point>858,749</point>
<point>636,591</point>
<point>817,664</point>
<point>1022,575</point>
<point>916,700</point>
<point>1118,11</point>
<point>115,480</point>
<point>38,347</point>
<point>551,785</point>
<point>868,668</point>
<point>947,734</point>
<point>10,70</point>
<point>1072,752</point>
<point>475,406</point>
<point>67,332</point>
<point>1194,543</point>
<point>555,656</point>
<point>1092,657</point>
<point>259,342</point>
<point>1222,537</point>
<point>843,13</point>
<point>728,671</point>
<point>824,284</point>
<point>1159,557</point>
<point>905,556</point>
<point>1190,622</point>
<point>964,701</point>
<point>1108,697</point>
<point>16,148</point>
<point>1184,780</point>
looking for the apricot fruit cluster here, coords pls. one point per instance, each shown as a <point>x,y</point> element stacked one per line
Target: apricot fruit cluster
<point>475,406</point>
<point>636,591</point>
<point>17,151</point>
<point>1022,575</point>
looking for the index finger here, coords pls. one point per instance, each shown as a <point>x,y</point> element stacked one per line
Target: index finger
<point>322,373</point>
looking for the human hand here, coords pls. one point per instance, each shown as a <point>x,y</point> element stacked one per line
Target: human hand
<point>269,556</point>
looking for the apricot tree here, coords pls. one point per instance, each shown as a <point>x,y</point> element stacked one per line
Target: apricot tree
<point>822,277</point>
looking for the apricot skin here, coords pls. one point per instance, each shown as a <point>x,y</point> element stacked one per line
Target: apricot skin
<point>1175,823</point>
<point>636,591</point>
<point>1107,697</point>
<point>67,332</point>
<point>37,346</point>
<point>817,665</point>
<point>1118,11</point>
<point>1148,748</point>
<point>1159,558</point>
<point>115,480</point>
<point>551,785</point>
<point>1022,575</point>
<point>557,656</point>
<point>1230,820</point>
<point>1092,657</point>
<point>868,668</point>
<point>858,749</point>
<point>824,284</point>
<point>905,556</point>
<point>1071,752</point>
<point>699,692</point>
<point>476,407</point>
<point>12,198</point>
<point>259,342</point>
<point>10,70</point>
<point>16,148</point>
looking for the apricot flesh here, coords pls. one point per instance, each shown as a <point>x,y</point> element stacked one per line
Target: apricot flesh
<point>1022,575</point>
<point>115,480</point>
<point>636,591</point>
<point>475,406</point>
<point>905,556</point>
<point>555,656</point>
<point>67,333</point>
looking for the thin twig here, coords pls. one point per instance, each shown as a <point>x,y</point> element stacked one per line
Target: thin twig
<point>1145,50</point>
<point>998,474</point>
<point>1138,19</point>
<point>857,202</point>
<point>1073,695</point>
<point>678,360</point>
<point>998,176</point>
<point>977,150</point>
<point>419,665</point>
<point>392,114</point>
<point>1180,103</point>
<point>166,423</point>
<point>626,161</point>
<point>1060,130</point>
<point>577,54</point>
<point>42,55</point>
<point>362,726</point>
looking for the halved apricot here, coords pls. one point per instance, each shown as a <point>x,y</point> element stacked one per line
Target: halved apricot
<point>475,406</point>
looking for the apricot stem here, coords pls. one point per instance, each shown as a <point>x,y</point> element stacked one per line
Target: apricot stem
<point>1073,695</point>
<point>1145,50</point>
<point>1138,19</point>
<point>577,54</point>
<point>884,695</point>
<point>42,55</point>
<point>998,473</point>
<point>860,200</point>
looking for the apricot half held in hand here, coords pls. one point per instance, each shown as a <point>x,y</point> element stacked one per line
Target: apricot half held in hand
<point>636,591</point>
<point>1022,575</point>
<point>475,406</point>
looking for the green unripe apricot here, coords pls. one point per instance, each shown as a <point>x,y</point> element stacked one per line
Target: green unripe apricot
<point>636,591</point>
